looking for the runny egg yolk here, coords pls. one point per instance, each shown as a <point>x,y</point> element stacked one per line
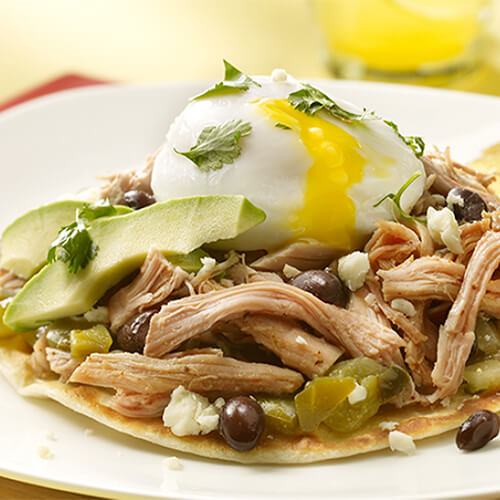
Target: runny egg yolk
<point>328,214</point>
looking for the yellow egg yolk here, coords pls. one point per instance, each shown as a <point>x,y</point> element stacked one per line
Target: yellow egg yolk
<point>328,214</point>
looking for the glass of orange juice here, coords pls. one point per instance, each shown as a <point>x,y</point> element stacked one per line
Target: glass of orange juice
<point>426,41</point>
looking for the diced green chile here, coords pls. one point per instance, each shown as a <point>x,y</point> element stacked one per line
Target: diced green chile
<point>319,398</point>
<point>482,376</point>
<point>382,384</point>
<point>280,414</point>
<point>487,335</point>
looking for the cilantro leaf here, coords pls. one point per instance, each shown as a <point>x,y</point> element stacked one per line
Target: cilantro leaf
<point>283,126</point>
<point>310,100</point>
<point>234,81</point>
<point>101,209</point>
<point>415,143</point>
<point>73,244</point>
<point>217,145</point>
<point>396,199</point>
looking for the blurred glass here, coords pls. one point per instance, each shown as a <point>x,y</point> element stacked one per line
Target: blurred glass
<point>417,41</point>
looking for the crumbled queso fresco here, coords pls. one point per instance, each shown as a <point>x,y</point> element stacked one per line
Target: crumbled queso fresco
<point>358,394</point>
<point>399,441</point>
<point>172,463</point>
<point>353,269</point>
<point>388,425</point>
<point>189,413</point>
<point>443,228</point>
<point>43,451</point>
<point>404,306</point>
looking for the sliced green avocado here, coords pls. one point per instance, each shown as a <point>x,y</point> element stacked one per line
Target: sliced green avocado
<point>174,227</point>
<point>27,240</point>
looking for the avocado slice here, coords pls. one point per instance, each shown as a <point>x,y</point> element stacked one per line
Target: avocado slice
<point>177,226</point>
<point>27,240</point>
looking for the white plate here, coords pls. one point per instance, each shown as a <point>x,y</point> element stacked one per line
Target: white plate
<point>60,143</point>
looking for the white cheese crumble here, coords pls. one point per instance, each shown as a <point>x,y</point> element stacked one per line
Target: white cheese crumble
<point>50,436</point>
<point>279,75</point>
<point>43,451</point>
<point>454,199</point>
<point>399,441</point>
<point>353,269</point>
<point>404,306</point>
<point>189,413</point>
<point>300,340</point>
<point>439,199</point>
<point>388,426</point>
<point>97,315</point>
<point>358,394</point>
<point>172,463</point>
<point>290,271</point>
<point>443,228</point>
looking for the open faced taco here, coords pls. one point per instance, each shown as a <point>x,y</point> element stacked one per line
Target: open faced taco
<point>288,279</point>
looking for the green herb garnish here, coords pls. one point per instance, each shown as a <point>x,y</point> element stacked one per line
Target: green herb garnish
<point>91,212</point>
<point>396,199</point>
<point>217,145</point>
<point>74,244</point>
<point>234,81</point>
<point>310,100</point>
<point>415,143</point>
<point>283,126</point>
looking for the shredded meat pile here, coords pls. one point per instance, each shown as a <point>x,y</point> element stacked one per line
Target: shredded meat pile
<point>238,327</point>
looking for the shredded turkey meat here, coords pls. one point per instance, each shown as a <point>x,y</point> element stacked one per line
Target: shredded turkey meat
<point>393,243</point>
<point>305,254</point>
<point>138,179</point>
<point>415,339</point>
<point>157,279</point>
<point>61,362</point>
<point>183,319</point>
<point>206,374</point>
<point>294,345</point>
<point>9,283</point>
<point>470,234</point>
<point>38,359</point>
<point>449,175</point>
<point>457,335</point>
<point>434,278</point>
<point>364,303</point>
<point>139,405</point>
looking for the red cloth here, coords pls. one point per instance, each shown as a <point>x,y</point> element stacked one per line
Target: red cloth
<point>62,83</point>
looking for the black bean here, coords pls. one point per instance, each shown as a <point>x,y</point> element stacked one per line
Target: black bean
<point>473,205</point>
<point>138,199</point>
<point>481,427</point>
<point>324,285</point>
<point>241,423</point>
<point>131,336</point>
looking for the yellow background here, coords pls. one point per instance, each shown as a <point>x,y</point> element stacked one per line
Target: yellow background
<point>154,40</point>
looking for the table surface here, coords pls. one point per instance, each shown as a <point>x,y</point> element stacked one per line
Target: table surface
<point>166,40</point>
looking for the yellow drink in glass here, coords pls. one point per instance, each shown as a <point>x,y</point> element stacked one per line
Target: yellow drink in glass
<point>401,38</point>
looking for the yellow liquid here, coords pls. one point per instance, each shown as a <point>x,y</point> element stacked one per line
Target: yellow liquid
<point>328,214</point>
<point>400,36</point>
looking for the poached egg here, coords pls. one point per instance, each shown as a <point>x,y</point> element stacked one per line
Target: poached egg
<point>315,176</point>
